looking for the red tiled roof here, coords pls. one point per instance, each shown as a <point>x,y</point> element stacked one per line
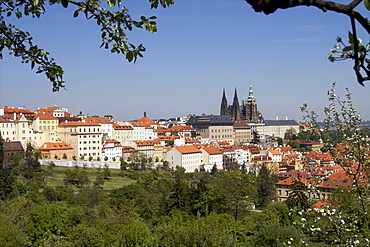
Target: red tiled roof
<point>212,150</point>
<point>188,149</point>
<point>78,124</point>
<point>55,146</point>
<point>145,120</point>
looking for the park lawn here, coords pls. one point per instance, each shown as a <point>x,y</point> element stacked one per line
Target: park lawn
<point>57,175</point>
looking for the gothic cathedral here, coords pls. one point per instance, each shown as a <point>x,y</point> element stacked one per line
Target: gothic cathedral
<point>247,111</point>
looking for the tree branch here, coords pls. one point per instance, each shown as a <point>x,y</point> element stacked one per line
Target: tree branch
<point>270,6</point>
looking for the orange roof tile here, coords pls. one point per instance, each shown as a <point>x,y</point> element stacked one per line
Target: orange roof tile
<point>188,149</point>
<point>212,150</point>
<point>78,124</point>
<point>145,120</point>
<point>55,146</point>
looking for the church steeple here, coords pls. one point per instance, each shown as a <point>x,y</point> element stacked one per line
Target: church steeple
<point>223,110</point>
<point>235,110</point>
<point>251,96</point>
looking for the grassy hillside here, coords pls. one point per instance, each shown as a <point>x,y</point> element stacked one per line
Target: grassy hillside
<point>114,182</point>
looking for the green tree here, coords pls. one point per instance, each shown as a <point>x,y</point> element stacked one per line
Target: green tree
<point>64,156</point>
<point>293,144</point>
<point>350,151</point>
<point>1,150</point>
<point>113,26</point>
<point>7,180</point>
<point>290,134</point>
<point>237,190</point>
<point>214,169</point>
<point>76,177</point>
<point>106,172</point>
<point>297,198</point>
<point>265,183</point>
<point>255,137</point>
<point>280,141</point>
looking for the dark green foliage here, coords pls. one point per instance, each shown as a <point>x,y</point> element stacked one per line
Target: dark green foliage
<point>237,191</point>
<point>290,134</point>
<point>106,172</point>
<point>265,183</point>
<point>1,150</point>
<point>7,180</point>
<point>297,198</point>
<point>293,144</point>
<point>255,137</point>
<point>275,234</point>
<point>76,177</point>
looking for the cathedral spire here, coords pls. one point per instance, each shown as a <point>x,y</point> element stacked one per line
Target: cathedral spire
<point>223,110</point>
<point>251,96</point>
<point>235,110</point>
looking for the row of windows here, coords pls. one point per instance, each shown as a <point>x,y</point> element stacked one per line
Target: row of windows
<point>48,122</point>
<point>14,132</point>
<point>88,136</point>
<point>93,142</point>
<point>89,148</point>
<point>91,154</point>
<point>221,130</point>
<point>5,125</point>
<point>221,136</point>
<point>314,195</point>
<point>30,138</point>
<point>47,127</point>
<point>10,125</point>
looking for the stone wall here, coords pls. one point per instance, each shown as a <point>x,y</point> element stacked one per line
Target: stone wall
<point>88,164</point>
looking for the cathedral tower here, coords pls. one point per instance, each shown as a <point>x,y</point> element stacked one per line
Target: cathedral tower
<point>250,111</point>
<point>235,108</point>
<point>224,106</point>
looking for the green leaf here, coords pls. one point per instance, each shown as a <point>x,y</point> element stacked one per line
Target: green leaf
<point>348,48</point>
<point>76,13</point>
<point>36,3</point>
<point>129,56</point>
<point>65,3</point>
<point>350,37</point>
<point>367,4</point>
<point>111,3</point>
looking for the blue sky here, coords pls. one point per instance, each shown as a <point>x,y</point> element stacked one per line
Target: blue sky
<point>200,48</point>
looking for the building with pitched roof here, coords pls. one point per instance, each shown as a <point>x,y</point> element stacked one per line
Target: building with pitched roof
<point>188,157</point>
<point>12,148</point>
<point>56,150</point>
<point>212,156</point>
<point>105,123</point>
<point>122,133</point>
<point>111,150</point>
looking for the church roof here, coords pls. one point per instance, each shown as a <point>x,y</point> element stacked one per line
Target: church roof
<point>211,119</point>
<point>281,122</point>
<point>251,96</point>
<point>145,120</point>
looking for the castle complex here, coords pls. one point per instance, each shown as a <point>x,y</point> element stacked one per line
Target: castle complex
<point>247,111</point>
